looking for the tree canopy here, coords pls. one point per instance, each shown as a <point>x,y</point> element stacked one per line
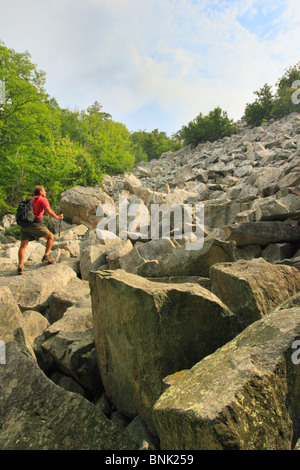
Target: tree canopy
<point>283,101</point>
<point>150,145</point>
<point>40,143</point>
<point>207,128</point>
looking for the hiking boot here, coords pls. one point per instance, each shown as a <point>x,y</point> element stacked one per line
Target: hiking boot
<point>20,270</point>
<point>47,259</point>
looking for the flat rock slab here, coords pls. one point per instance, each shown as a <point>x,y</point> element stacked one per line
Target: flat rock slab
<point>262,233</point>
<point>33,289</point>
<point>253,288</point>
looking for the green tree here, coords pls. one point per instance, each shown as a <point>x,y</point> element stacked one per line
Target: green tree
<point>27,122</point>
<point>286,86</point>
<point>215,125</point>
<point>107,142</point>
<point>261,110</point>
<point>43,144</point>
<point>283,102</point>
<point>150,145</point>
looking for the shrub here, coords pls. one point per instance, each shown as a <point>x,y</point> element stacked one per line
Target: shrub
<point>207,128</point>
<point>261,109</point>
<point>285,101</point>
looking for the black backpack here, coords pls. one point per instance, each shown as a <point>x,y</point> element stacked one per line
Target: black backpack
<point>25,214</point>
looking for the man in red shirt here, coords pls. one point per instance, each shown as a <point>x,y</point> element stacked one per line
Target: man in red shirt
<point>37,230</point>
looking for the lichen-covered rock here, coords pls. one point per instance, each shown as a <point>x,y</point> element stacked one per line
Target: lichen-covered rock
<point>36,414</point>
<point>253,288</point>
<point>245,396</point>
<point>146,330</point>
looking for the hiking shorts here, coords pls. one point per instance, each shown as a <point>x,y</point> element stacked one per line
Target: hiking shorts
<point>33,232</point>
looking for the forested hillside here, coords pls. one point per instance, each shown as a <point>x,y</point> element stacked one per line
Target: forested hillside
<point>40,143</point>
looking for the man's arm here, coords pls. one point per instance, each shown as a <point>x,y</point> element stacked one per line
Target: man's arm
<point>49,211</point>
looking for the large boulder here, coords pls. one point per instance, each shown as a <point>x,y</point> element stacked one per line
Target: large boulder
<point>278,209</point>
<point>264,178</point>
<point>70,344</point>
<point>276,252</point>
<point>76,292</point>
<point>32,290</point>
<point>76,318</point>
<point>245,396</point>
<point>11,315</point>
<point>291,180</point>
<point>222,213</point>
<point>33,325</point>
<point>34,251</point>
<point>79,205</point>
<point>36,414</point>
<point>93,250</point>
<point>253,288</point>
<point>131,183</point>
<point>116,252</point>
<point>161,258</point>
<point>262,233</point>
<point>31,322</point>
<point>146,330</point>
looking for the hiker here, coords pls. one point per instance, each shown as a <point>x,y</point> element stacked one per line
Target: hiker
<point>36,230</point>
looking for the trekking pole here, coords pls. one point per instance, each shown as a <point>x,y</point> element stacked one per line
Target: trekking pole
<point>59,230</point>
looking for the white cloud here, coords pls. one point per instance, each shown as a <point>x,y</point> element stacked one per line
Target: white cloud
<point>181,57</point>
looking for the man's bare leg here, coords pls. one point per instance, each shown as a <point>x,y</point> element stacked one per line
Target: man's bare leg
<point>21,253</point>
<point>49,243</point>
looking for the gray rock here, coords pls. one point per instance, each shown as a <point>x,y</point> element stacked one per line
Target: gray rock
<point>79,205</point>
<point>36,414</point>
<point>262,233</point>
<point>277,252</point>
<point>74,354</point>
<point>32,290</point>
<point>146,330</point>
<point>67,383</point>
<point>256,410</point>
<point>161,258</point>
<point>76,292</point>
<point>253,288</point>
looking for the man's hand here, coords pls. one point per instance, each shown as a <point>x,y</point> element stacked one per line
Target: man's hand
<point>61,216</point>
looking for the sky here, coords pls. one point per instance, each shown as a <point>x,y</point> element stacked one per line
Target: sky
<point>155,64</point>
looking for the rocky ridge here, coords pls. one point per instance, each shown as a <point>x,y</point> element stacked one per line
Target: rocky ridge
<point>140,343</point>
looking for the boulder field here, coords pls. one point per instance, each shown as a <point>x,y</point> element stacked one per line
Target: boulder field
<point>177,332</point>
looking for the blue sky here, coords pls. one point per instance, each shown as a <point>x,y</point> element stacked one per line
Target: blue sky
<point>155,63</point>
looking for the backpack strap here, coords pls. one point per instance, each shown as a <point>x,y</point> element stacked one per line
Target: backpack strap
<point>36,219</point>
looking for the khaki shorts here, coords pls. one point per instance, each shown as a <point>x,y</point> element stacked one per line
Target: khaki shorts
<point>33,231</point>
